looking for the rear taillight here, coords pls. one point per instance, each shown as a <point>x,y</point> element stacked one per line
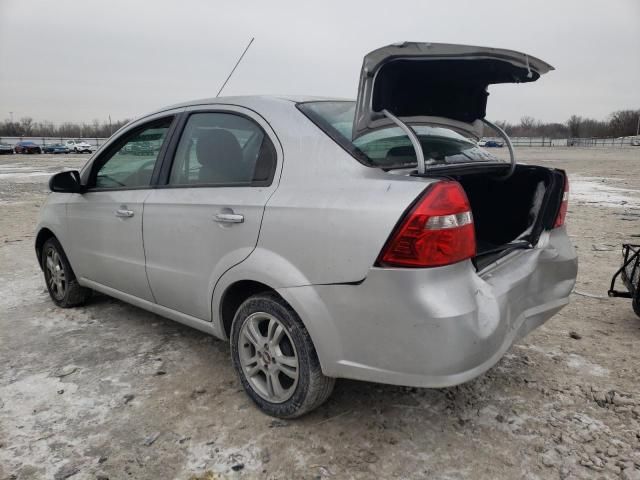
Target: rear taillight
<point>437,231</point>
<point>562,212</point>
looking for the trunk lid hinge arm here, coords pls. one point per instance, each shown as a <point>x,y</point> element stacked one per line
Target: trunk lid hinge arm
<point>506,138</point>
<point>415,142</point>
<point>412,137</point>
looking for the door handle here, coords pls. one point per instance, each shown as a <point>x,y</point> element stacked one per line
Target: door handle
<point>229,218</point>
<point>123,212</point>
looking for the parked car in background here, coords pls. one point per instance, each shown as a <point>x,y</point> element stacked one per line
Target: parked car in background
<point>5,149</point>
<point>78,146</point>
<point>482,143</point>
<point>354,258</point>
<point>27,146</point>
<point>493,144</point>
<point>635,142</point>
<point>56,148</point>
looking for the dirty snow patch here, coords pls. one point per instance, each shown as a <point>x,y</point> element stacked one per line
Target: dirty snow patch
<point>594,190</point>
<point>580,363</point>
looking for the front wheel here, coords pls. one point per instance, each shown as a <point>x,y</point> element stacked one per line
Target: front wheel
<point>275,359</point>
<point>63,287</point>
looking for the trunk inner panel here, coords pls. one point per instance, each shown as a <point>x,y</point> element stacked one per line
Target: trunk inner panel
<point>512,213</point>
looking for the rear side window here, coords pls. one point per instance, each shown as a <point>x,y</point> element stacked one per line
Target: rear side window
<point>390,147</point>
<point>223,149</point>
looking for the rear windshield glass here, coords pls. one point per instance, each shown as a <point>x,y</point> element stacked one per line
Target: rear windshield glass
<point>390,147</point>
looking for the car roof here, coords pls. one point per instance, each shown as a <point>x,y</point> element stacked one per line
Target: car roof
<point>263,104</point>
<point>251,101</point>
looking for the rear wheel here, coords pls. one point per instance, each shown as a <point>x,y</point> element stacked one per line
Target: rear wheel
<point>275,359</point>
<point>635,303</point>
<point>61,282</point>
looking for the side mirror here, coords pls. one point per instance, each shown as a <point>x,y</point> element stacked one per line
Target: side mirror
<point>66,182</point>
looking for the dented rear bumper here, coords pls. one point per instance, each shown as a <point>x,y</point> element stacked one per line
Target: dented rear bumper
<point>436,327</point>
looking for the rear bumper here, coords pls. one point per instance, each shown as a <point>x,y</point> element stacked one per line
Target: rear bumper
<point>435,327</point>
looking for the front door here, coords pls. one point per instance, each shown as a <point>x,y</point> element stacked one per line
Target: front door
<point>105,222</point>
<point>207,215</point>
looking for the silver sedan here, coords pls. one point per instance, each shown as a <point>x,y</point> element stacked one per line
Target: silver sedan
<point>372,240</point>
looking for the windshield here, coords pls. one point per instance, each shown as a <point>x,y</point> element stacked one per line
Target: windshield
<point>389,147</point>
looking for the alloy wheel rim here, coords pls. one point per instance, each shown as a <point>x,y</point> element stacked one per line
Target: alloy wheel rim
<point>56,278</point>
<point>268,357</point>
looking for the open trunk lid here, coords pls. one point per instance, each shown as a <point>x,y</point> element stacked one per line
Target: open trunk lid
<point>436,84</point>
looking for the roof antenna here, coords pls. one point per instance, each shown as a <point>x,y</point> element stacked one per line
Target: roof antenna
<point>234,68</point>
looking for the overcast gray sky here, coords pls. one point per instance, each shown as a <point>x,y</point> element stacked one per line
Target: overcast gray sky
<point>83,60</point>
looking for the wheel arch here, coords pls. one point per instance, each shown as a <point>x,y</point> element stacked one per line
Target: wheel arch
<point>261,270</point>
<point>264,270</point>
<point>43,235</point>
<point>233,296</point>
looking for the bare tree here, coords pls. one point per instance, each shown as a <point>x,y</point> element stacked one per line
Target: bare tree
<point>26,125</point>
<point>528,123</point>
<point>624,122</point>
<point>96,127</point>
<point>573,124</point>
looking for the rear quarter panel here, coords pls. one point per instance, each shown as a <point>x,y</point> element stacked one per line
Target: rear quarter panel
<point>331,215</point>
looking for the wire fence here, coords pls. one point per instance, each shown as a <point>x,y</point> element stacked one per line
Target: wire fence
<point>569,142</point>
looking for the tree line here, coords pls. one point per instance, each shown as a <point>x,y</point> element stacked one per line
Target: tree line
<point>622,123</point>
<point>27,127</point>
<point>619,124</point>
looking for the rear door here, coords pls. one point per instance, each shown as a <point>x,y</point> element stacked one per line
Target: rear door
<point>436,84</point>
<point>206,215</point>
<point>105,222</point>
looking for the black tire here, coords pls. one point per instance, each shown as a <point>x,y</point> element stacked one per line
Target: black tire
<point>313,388</point>
<point>72,294</point>
<point>635,304</point>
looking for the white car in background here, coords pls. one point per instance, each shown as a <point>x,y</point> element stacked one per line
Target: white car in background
<point>78,146</point>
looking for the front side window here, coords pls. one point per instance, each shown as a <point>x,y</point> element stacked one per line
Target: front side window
<point>390,147</point>
<point>131,164</point>
<point>222,149</point>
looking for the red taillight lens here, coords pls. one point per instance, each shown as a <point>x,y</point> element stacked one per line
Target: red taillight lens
<point>562,213</point>
<point>437,231</point>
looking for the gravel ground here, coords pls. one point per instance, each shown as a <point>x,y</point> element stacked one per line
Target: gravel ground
<point>111,391</point>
